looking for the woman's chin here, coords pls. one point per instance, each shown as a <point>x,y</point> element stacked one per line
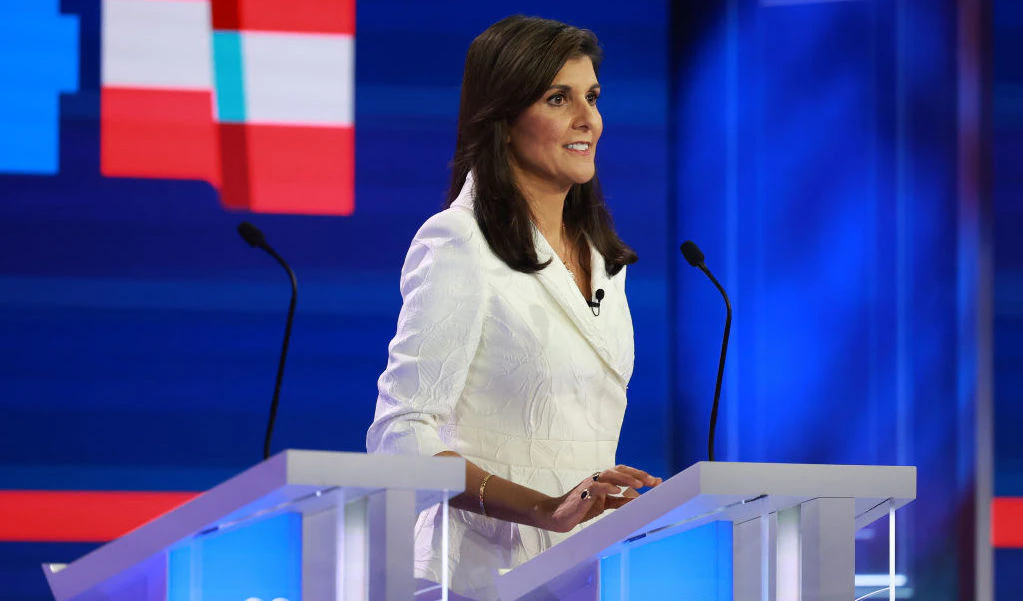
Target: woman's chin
<point>584,177</point>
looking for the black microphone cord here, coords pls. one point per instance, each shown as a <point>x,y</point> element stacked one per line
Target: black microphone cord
<point>694,256</point>
<point>721,363</point>
<point>284,351</point>
<point>256,239</point>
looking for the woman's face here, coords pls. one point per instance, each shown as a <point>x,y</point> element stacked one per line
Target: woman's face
<point>554,141</point>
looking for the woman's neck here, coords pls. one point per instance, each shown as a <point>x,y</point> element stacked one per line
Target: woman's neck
<point>548,218</point>
<point>547,205</point>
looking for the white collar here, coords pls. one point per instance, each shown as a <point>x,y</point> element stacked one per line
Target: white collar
<point>467,194</point>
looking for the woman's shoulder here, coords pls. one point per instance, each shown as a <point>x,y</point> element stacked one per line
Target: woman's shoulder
<point>455,224</point>
<point>448,246</point>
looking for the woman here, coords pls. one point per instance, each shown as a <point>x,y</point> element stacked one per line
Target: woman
<point>514,344</point>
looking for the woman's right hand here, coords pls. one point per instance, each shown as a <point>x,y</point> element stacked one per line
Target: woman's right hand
<point>593,496</point>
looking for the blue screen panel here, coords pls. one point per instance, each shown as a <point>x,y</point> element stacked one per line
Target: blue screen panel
<point>262,560</point>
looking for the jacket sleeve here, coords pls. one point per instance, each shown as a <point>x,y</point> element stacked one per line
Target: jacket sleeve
<point>439,328</point>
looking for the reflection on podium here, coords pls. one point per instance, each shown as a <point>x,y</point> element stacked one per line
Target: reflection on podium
<point>721,531</point>
<point>323,526</point>
<point>300,525</point>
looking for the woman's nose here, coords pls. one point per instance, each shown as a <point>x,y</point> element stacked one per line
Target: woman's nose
<point>586,116</point>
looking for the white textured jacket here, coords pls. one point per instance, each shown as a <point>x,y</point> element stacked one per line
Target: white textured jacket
<point>510,370</point>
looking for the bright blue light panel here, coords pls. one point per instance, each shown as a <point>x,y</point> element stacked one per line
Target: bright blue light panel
<point>262,560</point>
<point>694,565</point>
<point>38,61</point>
<point>179,574</point>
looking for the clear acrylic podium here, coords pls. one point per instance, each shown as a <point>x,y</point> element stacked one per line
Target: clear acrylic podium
<point>308,525</point>
<point>744,531</point>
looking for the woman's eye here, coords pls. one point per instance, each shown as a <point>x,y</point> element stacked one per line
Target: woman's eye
<point>556,99</point>
<point>592,98</point>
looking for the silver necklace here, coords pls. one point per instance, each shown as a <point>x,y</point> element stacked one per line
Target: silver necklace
<point>565,261</point>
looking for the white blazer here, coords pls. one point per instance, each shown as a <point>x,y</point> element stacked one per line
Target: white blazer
<point>510,370</point>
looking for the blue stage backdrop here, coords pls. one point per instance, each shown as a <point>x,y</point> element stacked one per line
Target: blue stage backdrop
<point>809,147</point>
<point>1007,167</point>
<point>815,159</point>
<point>140,334</point>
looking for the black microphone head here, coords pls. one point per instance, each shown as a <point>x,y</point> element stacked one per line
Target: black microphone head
<point>599,294</point>
<point>251,234</point>
<point>692,253</point>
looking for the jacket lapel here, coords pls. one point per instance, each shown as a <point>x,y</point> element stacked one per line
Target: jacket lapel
<point>562,289</point>
<point>556,279</point>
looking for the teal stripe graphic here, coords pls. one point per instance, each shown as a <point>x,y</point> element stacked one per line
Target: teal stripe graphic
<point>228,80</point>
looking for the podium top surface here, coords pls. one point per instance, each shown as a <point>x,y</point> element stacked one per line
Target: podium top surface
<point>707,492</point>
<point>292,481</point>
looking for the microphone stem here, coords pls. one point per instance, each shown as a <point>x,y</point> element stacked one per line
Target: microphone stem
<point>721,362</point>
<point>284,350</point>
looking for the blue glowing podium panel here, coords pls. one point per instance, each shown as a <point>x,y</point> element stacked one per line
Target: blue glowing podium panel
<point>720,531</point>
<point>300,525</point>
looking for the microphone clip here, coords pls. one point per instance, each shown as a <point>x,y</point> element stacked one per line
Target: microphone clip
<point>595,305</point>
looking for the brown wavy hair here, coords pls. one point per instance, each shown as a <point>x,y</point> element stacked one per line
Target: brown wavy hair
<point>508,68</point>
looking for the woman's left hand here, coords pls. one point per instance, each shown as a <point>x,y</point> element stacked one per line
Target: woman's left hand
<point>609,489</point>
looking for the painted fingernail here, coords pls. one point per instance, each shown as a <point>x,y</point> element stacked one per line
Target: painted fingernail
<point>585,495</point>
<point>595,476</point>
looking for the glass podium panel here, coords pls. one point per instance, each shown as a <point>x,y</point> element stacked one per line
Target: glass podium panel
<point>698,564</point>
<point>296,552</point>
<point>262,560</point>
<point>301,525</point>
<point>691,565</point>
<point>877,557</point>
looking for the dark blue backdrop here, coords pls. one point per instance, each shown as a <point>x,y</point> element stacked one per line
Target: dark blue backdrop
<point>816,153</point>
<point>140,335</point>
<point>1007,167</point>
<point>809,147</point>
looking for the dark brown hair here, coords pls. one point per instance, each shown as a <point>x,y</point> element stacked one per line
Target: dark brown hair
<point>508,68</point>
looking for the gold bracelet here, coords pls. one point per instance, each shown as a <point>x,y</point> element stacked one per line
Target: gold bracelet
<point>483,485</point>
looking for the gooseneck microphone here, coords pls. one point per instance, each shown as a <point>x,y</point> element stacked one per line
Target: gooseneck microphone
<point>694,256</point>
<point>595,305</point>
<point>256,239</point>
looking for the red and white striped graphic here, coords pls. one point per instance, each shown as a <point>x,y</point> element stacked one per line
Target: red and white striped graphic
<point>255,97</point>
